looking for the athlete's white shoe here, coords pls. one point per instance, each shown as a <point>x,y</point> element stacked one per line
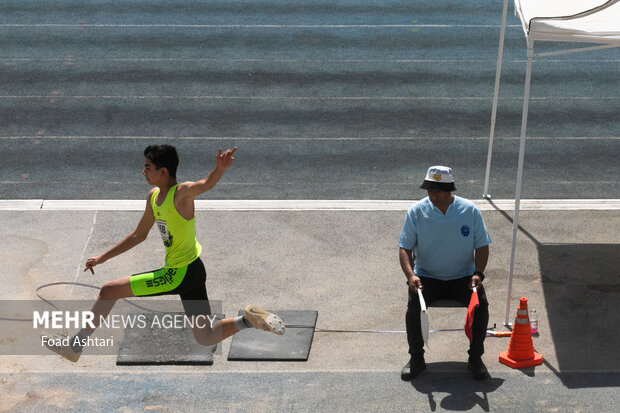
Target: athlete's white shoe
<point>264,320</point>
<point>64,350</point>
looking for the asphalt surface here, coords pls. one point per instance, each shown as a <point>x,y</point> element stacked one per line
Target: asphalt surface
<point>344,100</point>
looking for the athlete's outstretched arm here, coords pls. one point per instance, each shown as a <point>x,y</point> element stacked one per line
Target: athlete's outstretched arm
<point>137,236</point>
<point>190,190</point>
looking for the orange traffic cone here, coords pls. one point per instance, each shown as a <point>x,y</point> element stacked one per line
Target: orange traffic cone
<point>521,348</point>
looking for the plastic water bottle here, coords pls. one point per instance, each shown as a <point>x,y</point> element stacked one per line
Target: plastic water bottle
<point>533,321</point>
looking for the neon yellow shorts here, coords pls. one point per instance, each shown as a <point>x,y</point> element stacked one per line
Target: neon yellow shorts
<point>158,282</point>
<point>188,282</point>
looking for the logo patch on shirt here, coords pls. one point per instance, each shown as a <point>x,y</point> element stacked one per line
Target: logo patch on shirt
<point>465,230</point>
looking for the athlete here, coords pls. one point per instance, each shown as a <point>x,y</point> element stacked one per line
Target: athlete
<point>171,206</point>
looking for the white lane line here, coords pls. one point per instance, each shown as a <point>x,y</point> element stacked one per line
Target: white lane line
<point>307,98</point>
<point>306,61</point>
<point>199,370</point>
<point>251,26</point>
<point>20,204</point>
<point>306,205</point>
<point>301,139</point>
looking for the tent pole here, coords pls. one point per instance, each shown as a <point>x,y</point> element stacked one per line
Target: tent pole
<point>498,70</point>
<point>515,222</point>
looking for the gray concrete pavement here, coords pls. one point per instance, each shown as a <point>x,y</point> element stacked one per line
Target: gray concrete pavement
<point>343,264</point>
<point>287,391</point>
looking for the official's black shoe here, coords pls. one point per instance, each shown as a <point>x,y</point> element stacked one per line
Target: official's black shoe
<point>477,367</point>
<point>412,369</point>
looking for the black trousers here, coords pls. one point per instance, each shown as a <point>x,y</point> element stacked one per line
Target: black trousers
<point>433,290</point>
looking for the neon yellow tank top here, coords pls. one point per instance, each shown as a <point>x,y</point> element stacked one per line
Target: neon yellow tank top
<point>178,234</point>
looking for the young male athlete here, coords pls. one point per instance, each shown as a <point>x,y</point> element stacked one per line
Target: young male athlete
<point>171,206</point>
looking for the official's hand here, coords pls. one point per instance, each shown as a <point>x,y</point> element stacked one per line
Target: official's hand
<point>475,282</point>
<point>415,283</point>
<point>91,262</point>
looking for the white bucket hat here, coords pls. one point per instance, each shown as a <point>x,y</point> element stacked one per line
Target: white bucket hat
<point>439,178</point>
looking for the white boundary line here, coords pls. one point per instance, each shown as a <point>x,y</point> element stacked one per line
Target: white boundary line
<point>206,59</point>
<point>250,26</point>
<point>304,205</point>
<point>301,139</point>
<point>308,98</point>
<point>198,370</point>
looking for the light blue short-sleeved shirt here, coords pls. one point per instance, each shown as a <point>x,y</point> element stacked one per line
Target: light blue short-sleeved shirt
<point>444,245</point>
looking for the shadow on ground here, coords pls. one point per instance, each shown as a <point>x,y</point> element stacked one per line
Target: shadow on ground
<point>463,392</point>
<point>582,293</point>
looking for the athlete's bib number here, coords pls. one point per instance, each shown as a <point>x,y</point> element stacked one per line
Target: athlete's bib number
<point>163,230</point>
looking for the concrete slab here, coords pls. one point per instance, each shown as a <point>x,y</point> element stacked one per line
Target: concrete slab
<point>149,346</point>
<point>294,345</point>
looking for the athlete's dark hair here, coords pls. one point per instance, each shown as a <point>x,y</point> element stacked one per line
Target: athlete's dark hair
<point>163,156</point>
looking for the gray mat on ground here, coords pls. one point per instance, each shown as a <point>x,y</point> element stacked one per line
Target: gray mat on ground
<point>294,345</point>
<point>156,346</point>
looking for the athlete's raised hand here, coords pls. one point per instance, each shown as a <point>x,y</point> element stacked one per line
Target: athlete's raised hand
<point>224,160</point>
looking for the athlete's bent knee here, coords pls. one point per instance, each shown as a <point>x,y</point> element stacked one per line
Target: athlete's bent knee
<point>108,292</point>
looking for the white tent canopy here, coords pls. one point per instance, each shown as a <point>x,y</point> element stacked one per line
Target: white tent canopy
<point>569,21</point>
<point>592,21</point>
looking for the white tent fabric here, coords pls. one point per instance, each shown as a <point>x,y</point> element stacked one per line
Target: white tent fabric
<point>587,21</point>
<point>591,21</point>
